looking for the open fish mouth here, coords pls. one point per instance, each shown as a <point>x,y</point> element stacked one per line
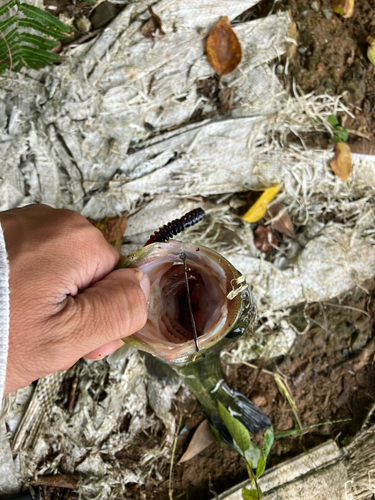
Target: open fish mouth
<point>169,332</point>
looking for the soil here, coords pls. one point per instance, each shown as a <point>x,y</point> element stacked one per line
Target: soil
<point>330,370</point>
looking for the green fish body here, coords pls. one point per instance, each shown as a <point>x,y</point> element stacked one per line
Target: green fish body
<point>223,311</point>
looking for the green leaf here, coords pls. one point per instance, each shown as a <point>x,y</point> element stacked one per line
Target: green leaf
<point>237,430</point>
<point>42,43</point>
<point>250,494</point>
<point>29,37</point>
<point>44,18</point>
<point>333,121</point>
<point>30,23</point>
<point>261,466</point>
<point>8,22</point>
<point>268,441</point>
<point>341,134</point>
<point>216,435</point>
<point>253,454</point>
<point>6,8</point>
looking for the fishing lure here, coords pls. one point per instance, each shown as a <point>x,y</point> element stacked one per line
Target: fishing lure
<point>175,227</point>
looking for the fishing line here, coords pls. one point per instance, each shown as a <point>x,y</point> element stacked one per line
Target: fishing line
<point>183,258</point>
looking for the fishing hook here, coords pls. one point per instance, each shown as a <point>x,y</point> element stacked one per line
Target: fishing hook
<point>183,258</point>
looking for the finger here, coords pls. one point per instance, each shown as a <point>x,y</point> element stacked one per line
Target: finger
<point>111,309</point>
<point>106,257</point>
<point>105,350</point>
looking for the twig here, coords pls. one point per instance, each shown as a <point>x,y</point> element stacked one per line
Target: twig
<point>365,355</point>
<point>349,307</point>
<point>359,134</point>
<point>10,58</point>
<point>80,40</point>
<point>254,384</point>
<point>318,324</point>
<point>170,491</point>
<point>72,395</point>
<point>324,315</point>
<point>152,81</point>
<point>249,364</point>
<point>194,120</point>
<point>59,481</point>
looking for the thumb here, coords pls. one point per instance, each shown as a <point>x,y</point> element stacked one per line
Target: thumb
<point>109,310</point>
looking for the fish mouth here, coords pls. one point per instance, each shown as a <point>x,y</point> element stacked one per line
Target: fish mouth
<point>168,332</point>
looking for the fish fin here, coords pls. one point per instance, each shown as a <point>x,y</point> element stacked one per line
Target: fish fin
<point>159,369</point>
<point>243,410</point>
<point>206,381</point>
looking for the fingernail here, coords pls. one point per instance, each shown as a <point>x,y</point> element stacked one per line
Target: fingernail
<point>145,285</point>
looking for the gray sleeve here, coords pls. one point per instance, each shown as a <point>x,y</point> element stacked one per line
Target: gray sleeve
<point>4,311</point>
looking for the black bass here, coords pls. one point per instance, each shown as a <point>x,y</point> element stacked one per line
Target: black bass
<point>223,311</point>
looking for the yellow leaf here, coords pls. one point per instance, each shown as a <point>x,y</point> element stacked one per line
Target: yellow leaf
<point>342,162</point>
<point>257,211</point>
<point>343,7</point>
<point>371,49</point>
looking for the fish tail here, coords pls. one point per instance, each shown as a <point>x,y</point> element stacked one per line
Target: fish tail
<point>241,408</point>
<point>206,381</point>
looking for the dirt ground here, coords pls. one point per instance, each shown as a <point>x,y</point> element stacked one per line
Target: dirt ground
<point>330,369</point>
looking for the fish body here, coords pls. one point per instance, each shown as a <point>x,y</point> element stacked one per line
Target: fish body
<point>223,311</point>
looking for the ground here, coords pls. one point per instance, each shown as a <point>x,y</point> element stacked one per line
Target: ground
<point>328,369</point>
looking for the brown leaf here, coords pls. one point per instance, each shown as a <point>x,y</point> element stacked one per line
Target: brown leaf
<point>207,87</point>
<point>201,439</point>
<point>223,49</point>
<point>58,480</point>
<point>342,162</point>
<point>263,237</point>
<point>283,223</point>
<point>226,97</point>
<point>112,228</point>
<point>152,26</point>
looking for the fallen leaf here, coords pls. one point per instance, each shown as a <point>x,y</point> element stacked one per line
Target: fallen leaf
<point>342,162</point>
<point>112,228</point>
<point>257,211</point>
<point>343,7</point>
<point>265,239</point>
<point>207,87</point>
<point>201,439</point>
<point>282,223</point>
<point>223,48</point>
<point>58,480</point>
<point>226,98</point>
<point>153,26</point>
<point>292,37</point>
<point>371,49</point>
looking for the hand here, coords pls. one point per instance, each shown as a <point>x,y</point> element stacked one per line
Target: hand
<point>66,301</point>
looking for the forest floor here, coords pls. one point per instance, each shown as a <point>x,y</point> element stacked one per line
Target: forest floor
<point>329,369</point>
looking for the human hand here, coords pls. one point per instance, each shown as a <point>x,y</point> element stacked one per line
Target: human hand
<point>66,301</point>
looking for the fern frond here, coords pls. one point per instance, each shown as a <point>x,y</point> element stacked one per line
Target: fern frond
<point>29,35</point>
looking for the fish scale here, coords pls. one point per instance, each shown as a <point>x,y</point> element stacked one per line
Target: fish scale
<point>38,410</point>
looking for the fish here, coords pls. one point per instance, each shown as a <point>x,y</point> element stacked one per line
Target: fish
<point>223,310</point>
